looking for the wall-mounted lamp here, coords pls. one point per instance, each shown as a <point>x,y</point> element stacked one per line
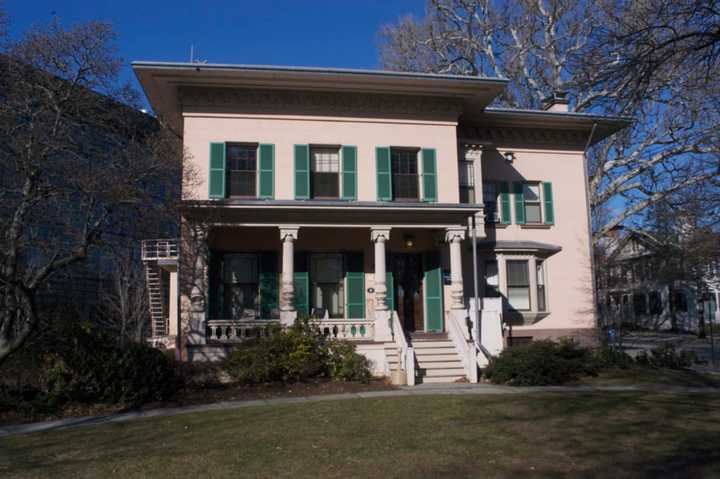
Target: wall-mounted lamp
<point>509,156</point>
<point>409,241</point>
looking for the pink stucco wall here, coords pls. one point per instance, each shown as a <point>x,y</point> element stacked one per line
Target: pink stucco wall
<point>284,132</point>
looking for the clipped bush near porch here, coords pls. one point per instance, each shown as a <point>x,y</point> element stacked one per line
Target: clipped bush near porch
<point>542,363</point>
<point>297,354</point>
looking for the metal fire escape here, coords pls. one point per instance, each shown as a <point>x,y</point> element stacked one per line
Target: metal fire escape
<point>158,255</point>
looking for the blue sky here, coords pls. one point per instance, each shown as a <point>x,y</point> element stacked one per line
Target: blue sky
<point>340,33</point>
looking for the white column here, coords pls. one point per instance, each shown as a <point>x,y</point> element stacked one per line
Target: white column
<point>288,313</point>
<point>379,238</point>
<point>383,315</point>
<point>454,237</point>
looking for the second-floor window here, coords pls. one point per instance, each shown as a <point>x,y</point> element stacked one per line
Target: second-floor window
<point>467,182</point>
<point>241,174</point>
<point>325,166</point>
<point>533,209</point>
<point>490,201</point>
<point>405,180</point>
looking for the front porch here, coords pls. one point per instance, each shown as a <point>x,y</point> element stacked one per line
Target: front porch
<point>370,284</point>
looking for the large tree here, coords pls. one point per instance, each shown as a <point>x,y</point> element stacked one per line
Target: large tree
<point>78,163</point>
<point>590,50</point>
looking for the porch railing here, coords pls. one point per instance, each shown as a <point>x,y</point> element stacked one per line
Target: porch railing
<point>346,329</point>
<point>406,353</point>
<point>465,346</point>
<point>238,330</point>
<point>155,249</point>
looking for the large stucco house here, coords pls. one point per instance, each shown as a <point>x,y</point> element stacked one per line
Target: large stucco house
<point>347,195</point>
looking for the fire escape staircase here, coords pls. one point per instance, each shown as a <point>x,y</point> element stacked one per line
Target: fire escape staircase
<point>158,255</point>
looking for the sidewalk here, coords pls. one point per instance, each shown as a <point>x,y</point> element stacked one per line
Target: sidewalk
<point>420,390</point>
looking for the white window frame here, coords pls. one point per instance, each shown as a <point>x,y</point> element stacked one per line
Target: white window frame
<point>531,258</point>
<point>328,148</point>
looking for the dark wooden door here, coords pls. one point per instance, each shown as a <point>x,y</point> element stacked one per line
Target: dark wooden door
<point>407,271</point>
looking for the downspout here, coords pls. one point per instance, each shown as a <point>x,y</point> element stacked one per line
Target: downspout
<point>477,330</point>
<point>593,286</point>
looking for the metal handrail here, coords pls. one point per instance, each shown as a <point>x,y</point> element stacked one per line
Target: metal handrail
<point>154,249</point>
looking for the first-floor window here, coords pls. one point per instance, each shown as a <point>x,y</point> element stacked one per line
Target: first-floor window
<point>639,306</point>
<point>655,303</point>
<point>492,279</point>
<point>327,277</point>
<point>240,286</point>
<point>518,284</point>
<point>241,170</point>
<point>540,272</point>
<point>467,182</point>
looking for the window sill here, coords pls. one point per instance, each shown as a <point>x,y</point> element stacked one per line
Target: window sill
<point>536,226</point>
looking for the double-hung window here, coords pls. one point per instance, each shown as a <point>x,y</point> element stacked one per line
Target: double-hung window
<point>467,182</point>
<point>492,279</point>
<point>490,202</point>
<point>405,179</point>
<point>240,286</point>
<point>518,285</point>
<point>540,279</point>
<point>327,276</point>
<point>533,208</point>
<point>325,166</point>
<point>241,174</point>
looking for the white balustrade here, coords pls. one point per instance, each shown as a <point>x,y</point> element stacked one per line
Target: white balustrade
<point>406,354</point>
<point>346,329</point>
<point>234,330</point>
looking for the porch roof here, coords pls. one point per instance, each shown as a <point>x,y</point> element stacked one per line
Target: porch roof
<point>519,246</point>
<point>360,214</point>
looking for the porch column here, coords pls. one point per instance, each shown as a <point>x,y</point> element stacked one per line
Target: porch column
<point>383,331</point>
<point>288,313</point>
<point>455,236</point>
<point>198,250</point>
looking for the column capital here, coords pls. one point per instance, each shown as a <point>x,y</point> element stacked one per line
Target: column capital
<point>455,234</point>
<point>379,234</point>
<point>289,232</point>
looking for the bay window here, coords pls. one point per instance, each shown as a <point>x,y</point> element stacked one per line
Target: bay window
<point>518,285</point>
<point>540,280</point>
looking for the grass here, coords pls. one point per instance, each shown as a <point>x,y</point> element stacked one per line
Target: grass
<point>644,376</point>
<point>549,435</point>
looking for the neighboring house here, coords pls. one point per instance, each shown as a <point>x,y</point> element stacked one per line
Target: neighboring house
<point>641,284</point>
<point>345,195</point>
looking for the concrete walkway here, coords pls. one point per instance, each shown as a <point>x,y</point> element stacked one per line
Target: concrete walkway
<point>419,390</point>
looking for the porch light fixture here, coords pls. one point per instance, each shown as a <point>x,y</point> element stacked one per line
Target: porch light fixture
<point>409,241</point>
<point>509,156</point>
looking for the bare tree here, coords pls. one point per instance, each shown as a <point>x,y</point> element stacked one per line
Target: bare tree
<point>77,162</point>
<point>545,46</point>
<point>124,308</point>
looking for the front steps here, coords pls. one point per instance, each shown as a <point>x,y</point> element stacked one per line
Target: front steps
<point>437,360</point>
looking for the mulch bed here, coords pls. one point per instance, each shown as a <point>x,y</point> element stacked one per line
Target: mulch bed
<point>206,395</point>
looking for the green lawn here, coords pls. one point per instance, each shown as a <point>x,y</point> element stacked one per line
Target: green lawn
<point>644,376</point>
<point>543,435</point>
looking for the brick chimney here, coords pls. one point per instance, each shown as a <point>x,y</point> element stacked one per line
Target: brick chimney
<point>558,101</point>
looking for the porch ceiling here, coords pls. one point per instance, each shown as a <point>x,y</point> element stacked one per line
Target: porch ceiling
<point>328,214</point>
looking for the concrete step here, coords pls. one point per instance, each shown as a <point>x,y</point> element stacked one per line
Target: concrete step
<point>449,356</point>
<point>440,364</point>
<point>446,371</point>
<point>432,344</point>
<point>434,351</point>
<point>444,379</point>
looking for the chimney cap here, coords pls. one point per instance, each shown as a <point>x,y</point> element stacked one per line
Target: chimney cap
<point>556,101</point>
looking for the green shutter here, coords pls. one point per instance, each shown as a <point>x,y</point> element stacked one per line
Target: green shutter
<point>429,174</point>
<point>302,172</point>
<point>301,281</point>
<point>519,203</point>
<point>433,292</point>
<point>268,286</point>
<point>549,209</point>
<point>384,173</point>
<point>349,173</point>
<point>389,281</point>
<point>355,286</point>
<point>505,203</point>
<point>216,179</point>
<point>267,171</point>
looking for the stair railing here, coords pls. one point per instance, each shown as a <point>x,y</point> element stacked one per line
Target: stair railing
<point>464,345</point>
<point>406,353</point>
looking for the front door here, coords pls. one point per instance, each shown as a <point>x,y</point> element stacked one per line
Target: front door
<point>407,274</point>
